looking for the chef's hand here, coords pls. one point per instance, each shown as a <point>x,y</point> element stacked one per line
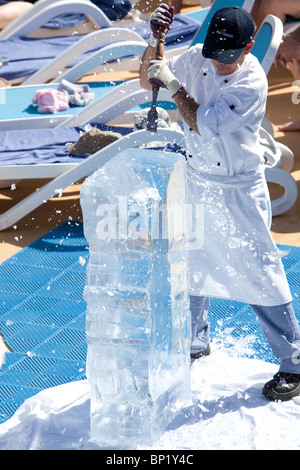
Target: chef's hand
<point>160,74</point>
<point>162,17</point>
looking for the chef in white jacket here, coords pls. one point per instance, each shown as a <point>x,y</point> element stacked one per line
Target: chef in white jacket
<point>220,90</point>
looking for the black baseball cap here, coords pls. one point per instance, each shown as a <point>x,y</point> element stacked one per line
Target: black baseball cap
<point>229,31</point>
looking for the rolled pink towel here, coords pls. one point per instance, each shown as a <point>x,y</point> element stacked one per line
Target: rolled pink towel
<point>50,101</point>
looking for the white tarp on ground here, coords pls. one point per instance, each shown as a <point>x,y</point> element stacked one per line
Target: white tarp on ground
<point>226,412</point>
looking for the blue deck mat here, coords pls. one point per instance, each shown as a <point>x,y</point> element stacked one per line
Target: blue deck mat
<point>42,315</point>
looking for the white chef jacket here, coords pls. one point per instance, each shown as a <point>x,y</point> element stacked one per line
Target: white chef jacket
<point>238,258</point>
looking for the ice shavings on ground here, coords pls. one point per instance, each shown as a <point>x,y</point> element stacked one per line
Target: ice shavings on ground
<point>226,411</point>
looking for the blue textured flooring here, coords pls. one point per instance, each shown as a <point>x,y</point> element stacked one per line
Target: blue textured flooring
<point>42,315</point>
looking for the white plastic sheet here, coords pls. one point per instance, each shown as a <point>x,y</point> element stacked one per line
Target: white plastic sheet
<point>227,412</point>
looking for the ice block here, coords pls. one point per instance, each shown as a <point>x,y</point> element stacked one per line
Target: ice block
<point>138,317</point>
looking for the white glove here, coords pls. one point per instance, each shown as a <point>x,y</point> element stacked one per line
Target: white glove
<point>162,17</point>
<point>160,74</point>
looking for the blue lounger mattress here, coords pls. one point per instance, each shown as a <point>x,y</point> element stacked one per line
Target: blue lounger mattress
<point>43,146</point>
<point>27,55</point>
<point>18,100</point>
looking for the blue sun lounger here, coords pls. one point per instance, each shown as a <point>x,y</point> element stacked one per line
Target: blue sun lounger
<point>18,112</point>
<point>48,148</point>
<point>187,30</point>
<point>115,101</point>
<point>25,55</point>
<point>58,15</point>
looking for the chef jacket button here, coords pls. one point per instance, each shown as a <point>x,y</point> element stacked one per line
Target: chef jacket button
<point>204,74</point>
<point>191,129</point>
<point>219,164</point>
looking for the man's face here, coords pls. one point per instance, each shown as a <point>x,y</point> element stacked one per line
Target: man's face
<point>226,69</point>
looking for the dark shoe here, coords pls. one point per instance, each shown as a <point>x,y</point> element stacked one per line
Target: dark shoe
<point>283,386</point>
<point>204,352</point>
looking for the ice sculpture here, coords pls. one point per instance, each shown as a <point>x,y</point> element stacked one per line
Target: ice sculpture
<point>138,318</point>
